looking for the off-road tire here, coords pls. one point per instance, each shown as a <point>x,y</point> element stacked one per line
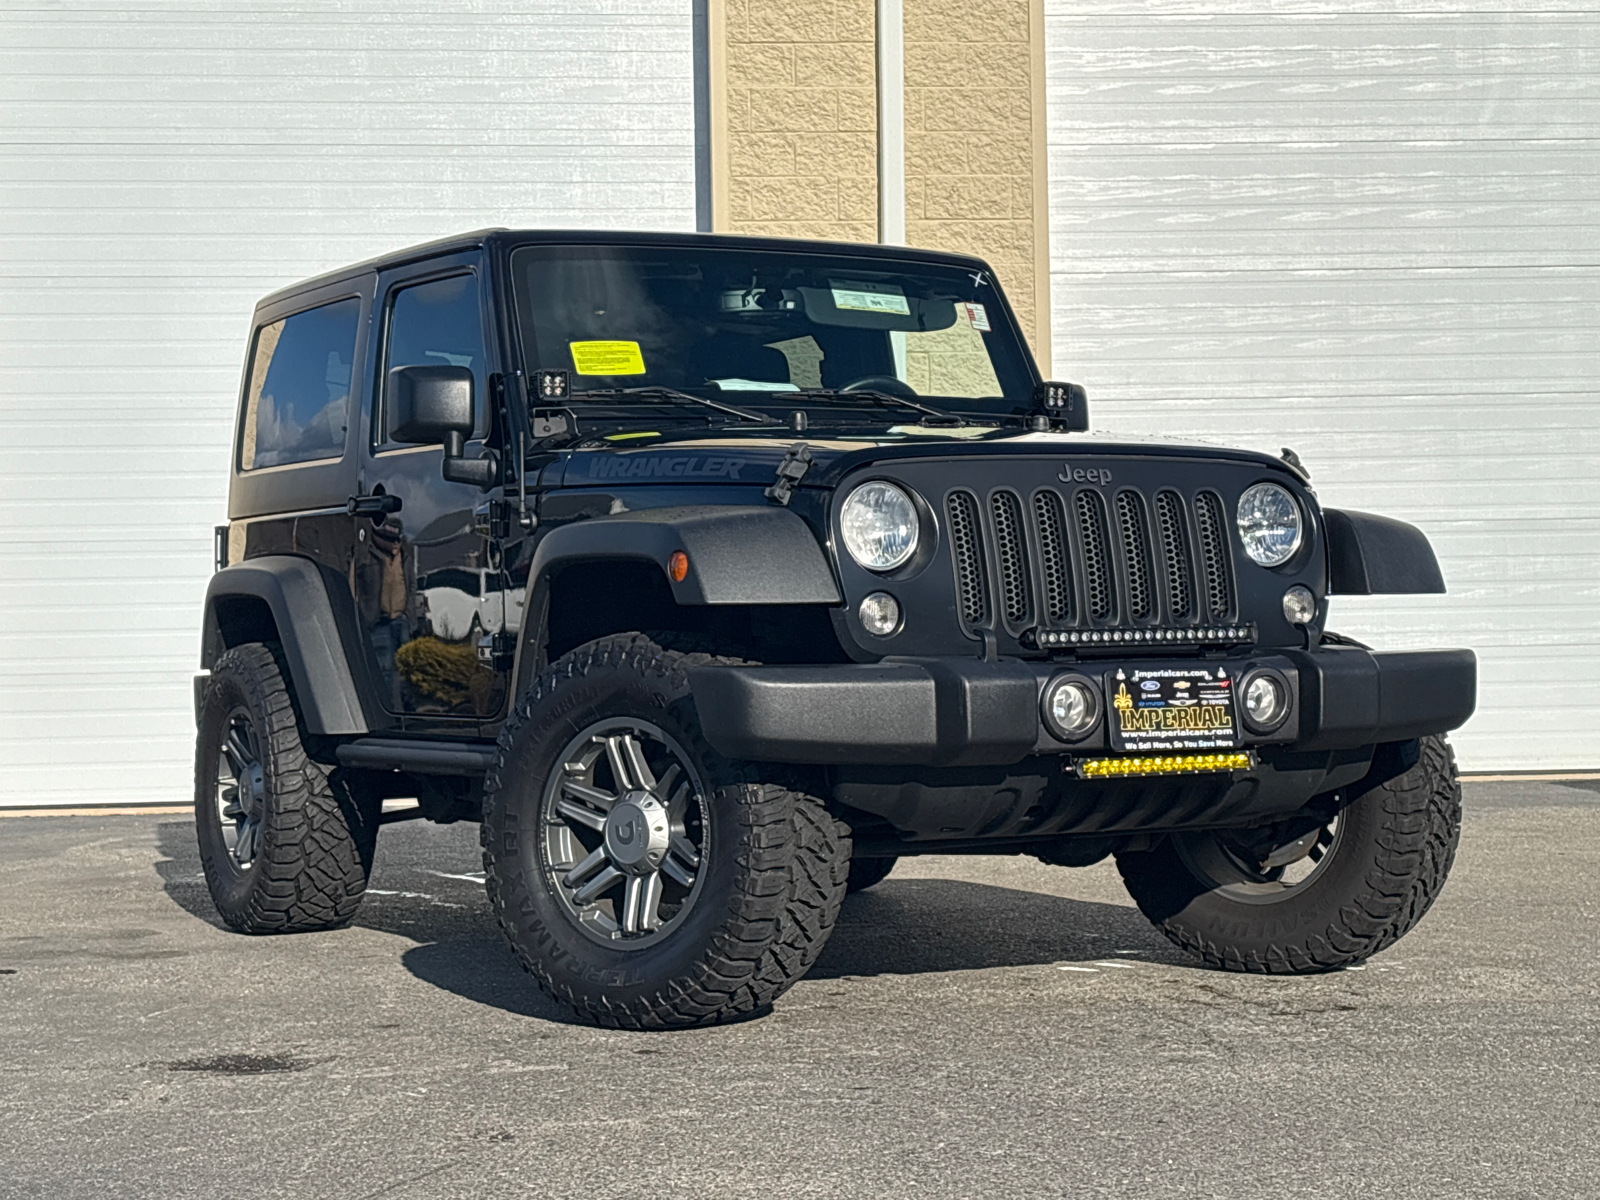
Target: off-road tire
<point>1389,864</point>
<point>317,834</point>
<point>776,871</point>
<point>869,872</point>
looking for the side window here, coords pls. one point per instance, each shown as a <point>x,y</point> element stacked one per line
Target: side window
<point>438,324</point>
<point>298,402</point>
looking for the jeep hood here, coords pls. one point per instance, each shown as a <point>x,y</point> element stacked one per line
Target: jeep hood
<point>754,458</point>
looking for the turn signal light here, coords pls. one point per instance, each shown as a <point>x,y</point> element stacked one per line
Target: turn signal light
<point>1177,764</point>
<point>678,566</point>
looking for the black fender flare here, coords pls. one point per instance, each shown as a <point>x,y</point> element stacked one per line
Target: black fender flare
<point>1369,555</point>
<point>738,554</point>
<point>314,649</point>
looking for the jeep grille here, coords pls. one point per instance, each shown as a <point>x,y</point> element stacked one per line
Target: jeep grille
<point>1021,561</point>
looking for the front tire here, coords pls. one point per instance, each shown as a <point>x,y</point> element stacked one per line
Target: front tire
<point>869,872</point>
<point>642,879</point>
<point>284,848</point>
<point>1330,898</point>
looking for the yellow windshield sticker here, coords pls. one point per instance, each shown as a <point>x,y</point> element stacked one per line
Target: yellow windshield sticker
<point>607,358</point>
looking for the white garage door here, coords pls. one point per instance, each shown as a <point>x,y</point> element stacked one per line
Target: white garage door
<point>1371,232</point>
<point>164,165</point>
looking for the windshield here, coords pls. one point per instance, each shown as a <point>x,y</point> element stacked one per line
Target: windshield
<point>751,327</point>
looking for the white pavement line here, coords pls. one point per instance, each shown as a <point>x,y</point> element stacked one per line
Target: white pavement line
<point>1567,777</point>
<point>470,876</point>
<point>146,810</point>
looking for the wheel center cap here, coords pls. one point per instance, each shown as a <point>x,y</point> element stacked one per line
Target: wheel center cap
<point>637,833</point>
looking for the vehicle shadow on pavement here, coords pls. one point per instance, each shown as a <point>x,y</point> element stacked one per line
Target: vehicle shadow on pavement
<point>900,927</point>
<point>919,926</point>
<point>459,948</point>
<point>179,869</point>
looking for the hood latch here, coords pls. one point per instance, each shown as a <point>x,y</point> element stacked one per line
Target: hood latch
<point>791,471</point>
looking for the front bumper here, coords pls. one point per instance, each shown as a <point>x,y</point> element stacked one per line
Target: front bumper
<point>967,712</point>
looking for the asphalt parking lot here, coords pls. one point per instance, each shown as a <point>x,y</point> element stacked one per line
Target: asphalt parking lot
<point>977,1027</point>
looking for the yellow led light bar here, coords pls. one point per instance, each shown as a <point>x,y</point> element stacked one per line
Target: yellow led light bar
<point>1176,764</point>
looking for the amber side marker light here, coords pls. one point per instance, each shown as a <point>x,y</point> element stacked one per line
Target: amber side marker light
<point>1178,764</point>
<point>678,566</point>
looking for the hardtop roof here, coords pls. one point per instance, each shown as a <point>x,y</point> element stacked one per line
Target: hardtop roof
<point>602,237</point>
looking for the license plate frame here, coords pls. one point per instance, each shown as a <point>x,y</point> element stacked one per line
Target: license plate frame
<point>1171,708</point>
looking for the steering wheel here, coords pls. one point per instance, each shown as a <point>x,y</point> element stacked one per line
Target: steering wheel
<point>887,384</point>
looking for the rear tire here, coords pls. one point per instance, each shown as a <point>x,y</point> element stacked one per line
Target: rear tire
<point>1385,858</point>
<point>716,921</point>
<point>284,848</point>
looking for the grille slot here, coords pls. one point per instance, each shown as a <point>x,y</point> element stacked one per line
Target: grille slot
<point>972,588</point>
<point>1175,554</point>
<point>1136,553</point>
<point>1214,553</point>
<point>1052,523</point>
<point>1010,548</point>
<point>1091,512</point>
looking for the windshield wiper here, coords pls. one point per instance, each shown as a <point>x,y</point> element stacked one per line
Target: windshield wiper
<point>665,393</point>
<point>877,397</point>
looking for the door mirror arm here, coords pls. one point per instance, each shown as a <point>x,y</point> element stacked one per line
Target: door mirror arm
<point>484,471</point>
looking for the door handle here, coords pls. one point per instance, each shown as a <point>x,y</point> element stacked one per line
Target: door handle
<point>372,506</point>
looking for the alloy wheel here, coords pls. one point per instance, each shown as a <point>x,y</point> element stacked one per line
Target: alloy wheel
<point>1252,878</point>
<point>624,832</point>
<point>241,789</point>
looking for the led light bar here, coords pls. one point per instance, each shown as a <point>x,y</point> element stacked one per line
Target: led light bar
<point>1175,764</point>
<point>1217,635</point>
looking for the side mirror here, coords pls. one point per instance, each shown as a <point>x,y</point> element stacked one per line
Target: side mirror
<point>431,406</point>
<point>1061,406</point>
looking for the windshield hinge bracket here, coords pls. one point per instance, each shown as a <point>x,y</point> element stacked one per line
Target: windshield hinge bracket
<point>791,471</point>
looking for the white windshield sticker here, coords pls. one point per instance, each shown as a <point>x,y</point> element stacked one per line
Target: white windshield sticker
<point>977,317</point>
<point>863,297</point>
<point>753,385</point>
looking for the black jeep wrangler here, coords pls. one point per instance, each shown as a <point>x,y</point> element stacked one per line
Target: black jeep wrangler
<point>713,574</point>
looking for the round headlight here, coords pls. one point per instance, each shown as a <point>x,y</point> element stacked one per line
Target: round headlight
<point>879,524</point>
<point>1269,524</point>
<point>1266,701</point>
<point>1071,707</point>
<point>880,614</point>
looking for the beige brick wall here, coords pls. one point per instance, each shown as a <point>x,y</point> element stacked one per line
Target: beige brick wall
<point>794,130</point>
<point>797,155</point>
<point>975,142</point>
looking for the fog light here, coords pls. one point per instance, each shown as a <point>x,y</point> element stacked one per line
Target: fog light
<point>1266,700</point>
<point>880,614</point>
<point>1071,707</point>
<point>1299,605</point>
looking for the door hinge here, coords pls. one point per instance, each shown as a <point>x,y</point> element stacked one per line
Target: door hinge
<point>791,471</point>
<point>497,651</point>
<point>494,519</point>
